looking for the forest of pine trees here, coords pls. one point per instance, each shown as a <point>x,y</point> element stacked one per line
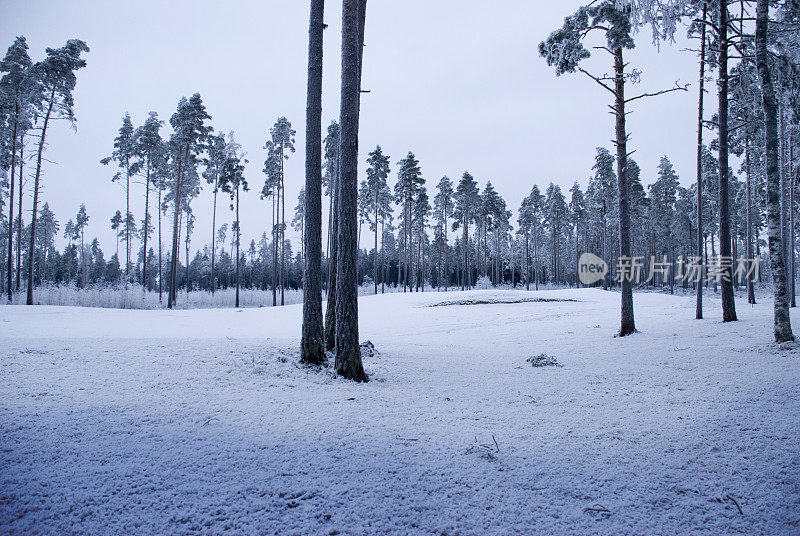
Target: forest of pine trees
<point>400,229</point>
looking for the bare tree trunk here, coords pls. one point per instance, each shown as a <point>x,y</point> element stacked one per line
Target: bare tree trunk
<point>173,287</point>
<point>238,239</point>
<point>127,218</point>
<point>627,325</point>
<point>274,250</point>
<point>160,264</point>
<point>282,193</point>
<point>21,182</point>
<point>31,253</point>
<point>782,323</point>
<point>11,206</point>
<point>792,209</point>
<point>536,256</point>
<point>330,312</point>
<point>699,306</point>
<point>726,283</point>
<point>146,225</point>
<point>751,295</point>
<point>312,348</point>
<point>213,237</point>
<point>348,353</point>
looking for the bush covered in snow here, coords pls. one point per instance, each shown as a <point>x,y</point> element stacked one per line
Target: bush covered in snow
<point>483,283</point>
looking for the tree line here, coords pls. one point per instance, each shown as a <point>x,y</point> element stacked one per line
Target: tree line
<point>461,232</point>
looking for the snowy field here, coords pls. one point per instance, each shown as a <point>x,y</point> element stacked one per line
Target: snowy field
<point>201,422</point>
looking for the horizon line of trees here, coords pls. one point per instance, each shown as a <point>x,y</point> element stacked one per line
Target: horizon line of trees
<point>756,59</point>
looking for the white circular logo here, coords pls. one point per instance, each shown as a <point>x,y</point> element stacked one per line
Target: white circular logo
<point>591,268</point>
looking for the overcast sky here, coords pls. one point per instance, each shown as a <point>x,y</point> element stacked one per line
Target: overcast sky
<point>459,82</point>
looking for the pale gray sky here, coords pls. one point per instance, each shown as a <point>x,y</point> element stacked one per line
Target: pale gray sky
<point>459,82</point>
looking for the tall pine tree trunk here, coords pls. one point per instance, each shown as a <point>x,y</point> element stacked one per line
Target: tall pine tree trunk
<point>160,263</point>
<point>274,250</point>
<point>348,353</point>
<point>751,295</point>
<point>699,305</point>
<point>330,311</point>
<point>312,348</point>
<point>37,177</point>
<point>282,193</point>
<point>11,207</point>
<point>726,279</point>
<point>782,323</point>
<point>213,237</point>
<point>238,239</point>
<point>173,272</point>
<point>627,325</point>
<point>146,224</point>
<point>21,181</point>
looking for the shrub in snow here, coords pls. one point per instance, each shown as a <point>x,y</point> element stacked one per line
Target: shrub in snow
<point>543,360</point>
<point>483,283</point>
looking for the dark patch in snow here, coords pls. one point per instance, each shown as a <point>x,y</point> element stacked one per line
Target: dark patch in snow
<point>543,360</point>
<point>495,301</point>
<point>367,348</point>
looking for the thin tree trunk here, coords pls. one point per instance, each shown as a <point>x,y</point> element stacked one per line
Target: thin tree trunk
<point>282,192</point>
<point>782,323</point>
<point>11,206</point>
<point>375,252</point>
<point>38,175</point>
<point>627,325</point>
<point>146,225</point>
<point>726,279</point>
<point>751,295</point>
<point>699,305</point>
<point>330,311</point>
<point>312,348</point>
<point>127,218</point>
<point>274,250</point>
<point>792,188</point>
<point>238,239</point>
<point>21,181</point>
<point>173,287</point>
<point>213,237</point>
<point>160,263</point>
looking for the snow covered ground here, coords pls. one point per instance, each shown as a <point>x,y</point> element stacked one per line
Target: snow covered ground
<point>201,422</point>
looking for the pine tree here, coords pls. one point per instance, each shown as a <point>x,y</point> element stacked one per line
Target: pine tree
<point>420,213</point>
<point>555,209</point>
<point>56,74</point>
<point>466,206</point>
<point>18,93</point>
<point>348,353</point>
<point>150,148</point>
<point>782,322</point>
<point>81,221</point>
<point>217,154</point>
<point>443,207</point>
<point>564,49</point>
<point>232,181</point>
<point>663,197</point>
<point>577,216</point>
<point>282,139</point>
<point>378,197</point>
<point>406,190</point>
<point>312,348</point>
<point>187,142</point>
<point>332,179</point>
<point>126,151</point>
<point>116,222</point>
